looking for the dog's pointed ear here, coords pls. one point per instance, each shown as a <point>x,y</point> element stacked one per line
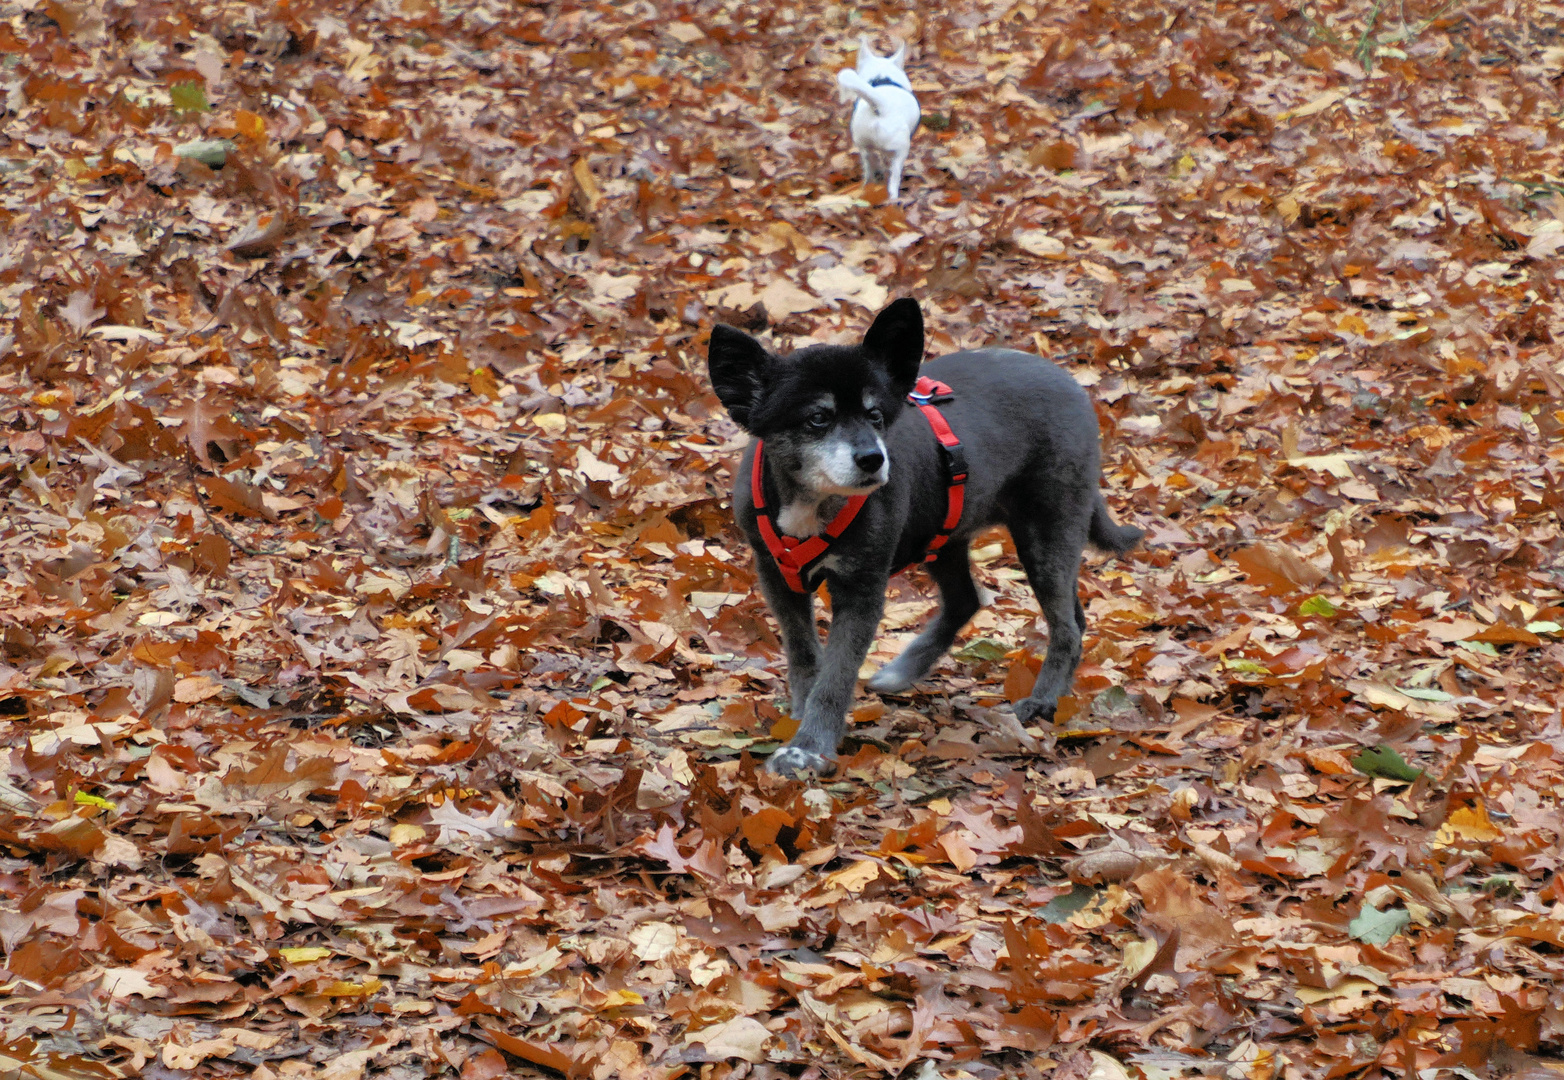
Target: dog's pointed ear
<point>865,52</point>
<point>896,338</point>
<point>737,363</point>
<point>899,57</point>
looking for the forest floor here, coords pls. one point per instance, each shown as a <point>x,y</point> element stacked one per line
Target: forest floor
<point>383,682</point>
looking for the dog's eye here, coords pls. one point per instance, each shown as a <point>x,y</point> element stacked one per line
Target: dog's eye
<point>876,417</point>
<point>820,419</point>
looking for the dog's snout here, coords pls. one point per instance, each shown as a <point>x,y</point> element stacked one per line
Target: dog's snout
<point>869,460</point>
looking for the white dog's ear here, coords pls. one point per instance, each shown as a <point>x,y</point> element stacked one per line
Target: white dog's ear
<point>899,57</point>
<point>865,52</point>
<point>737,363</point>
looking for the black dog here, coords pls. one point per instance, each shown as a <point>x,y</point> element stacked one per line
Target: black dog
<point>845,484</point>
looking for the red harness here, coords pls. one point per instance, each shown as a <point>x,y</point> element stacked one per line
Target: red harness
<point>793,555</point>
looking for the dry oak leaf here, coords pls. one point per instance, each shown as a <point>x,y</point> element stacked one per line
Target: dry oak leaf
<point>455,825</point>
<point>196,688</point>
<point>743,1037</point>
<point>125,982</point>
<point>844,283</point>
<point>1109,865</point>
<point>1276,569</point>
<point>653,940</point>
<point>188,1057</point>
<point>261,236</point>
<point>780,298</point>
<point>1039,242</point>
<point>80,311</point>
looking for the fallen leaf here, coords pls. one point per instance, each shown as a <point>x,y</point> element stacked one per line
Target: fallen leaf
<point>742,1037</point>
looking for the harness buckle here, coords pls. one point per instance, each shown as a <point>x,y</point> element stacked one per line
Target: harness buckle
<point>930,392</point>
<point>956,458</point>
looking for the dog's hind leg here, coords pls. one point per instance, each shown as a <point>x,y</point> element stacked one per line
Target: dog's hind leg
<point>855,615</point>
<point>867,160</point>
<point>893,174</point>
<point>1052,557</point>
<point>958,602</point>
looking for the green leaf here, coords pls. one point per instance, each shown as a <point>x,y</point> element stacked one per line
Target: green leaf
<point>1382,761</point>
<point>981,650</point>
<point>1544,626</point>
<point>1377,927</point>
<point>1424,693</point>
<point>1317,605</point>
<point>1247,667</point>
<point>1114,701</point>
<point>189,97</point>
<point>1501,885</point>
<point>210,152</point>
<point>84,799</point>
<point>1061,907</point>
<point>1480,647</point>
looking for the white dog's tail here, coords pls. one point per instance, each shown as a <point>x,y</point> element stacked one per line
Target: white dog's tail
<point>850,84</point>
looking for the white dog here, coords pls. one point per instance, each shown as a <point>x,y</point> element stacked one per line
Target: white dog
<point>886,113</point>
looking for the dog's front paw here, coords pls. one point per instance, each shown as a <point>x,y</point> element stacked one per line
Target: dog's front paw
<point>794,760</point>
<point>1028,710</point>
<point>888,680</point>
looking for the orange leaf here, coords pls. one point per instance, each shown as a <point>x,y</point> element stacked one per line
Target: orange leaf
<point>1277,570</point>
<point>486,1065</point>
<point>482,381</point>
<point>250,125</point>
<point>537,1053</point>
<point>761,828</point>
<point>1505,634</point>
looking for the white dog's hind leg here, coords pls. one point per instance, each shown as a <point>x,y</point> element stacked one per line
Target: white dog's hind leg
<point>893,173</point>
<point>868,163</point>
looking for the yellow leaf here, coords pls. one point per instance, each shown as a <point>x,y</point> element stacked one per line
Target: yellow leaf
<point>1104,909</point>
<point>1468,823</point>
<point>1137,954</point>
<point>350,989</point>
<point>857,876</point>
<point>587,183</point>
<point>404,833</point>
<point>1347,988</point>
<point>305,954</point>
<point>250,125</point>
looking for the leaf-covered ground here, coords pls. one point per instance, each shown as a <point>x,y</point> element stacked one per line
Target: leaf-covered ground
<point>383,680</point>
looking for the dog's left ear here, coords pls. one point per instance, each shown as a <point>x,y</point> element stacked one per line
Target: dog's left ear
<point>865,52</point>
<point>899,57</point>
<point>896,339</point>
<point>737,364</point>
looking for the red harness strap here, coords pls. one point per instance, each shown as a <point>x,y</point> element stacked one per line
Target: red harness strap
<point>793,555</point>
<point>924,395</point>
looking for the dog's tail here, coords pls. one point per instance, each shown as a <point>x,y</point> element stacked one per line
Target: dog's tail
<point>850,84</point>
<point>1109,536</point>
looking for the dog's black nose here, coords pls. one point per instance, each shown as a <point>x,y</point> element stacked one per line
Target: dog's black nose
<point>869,461</point>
